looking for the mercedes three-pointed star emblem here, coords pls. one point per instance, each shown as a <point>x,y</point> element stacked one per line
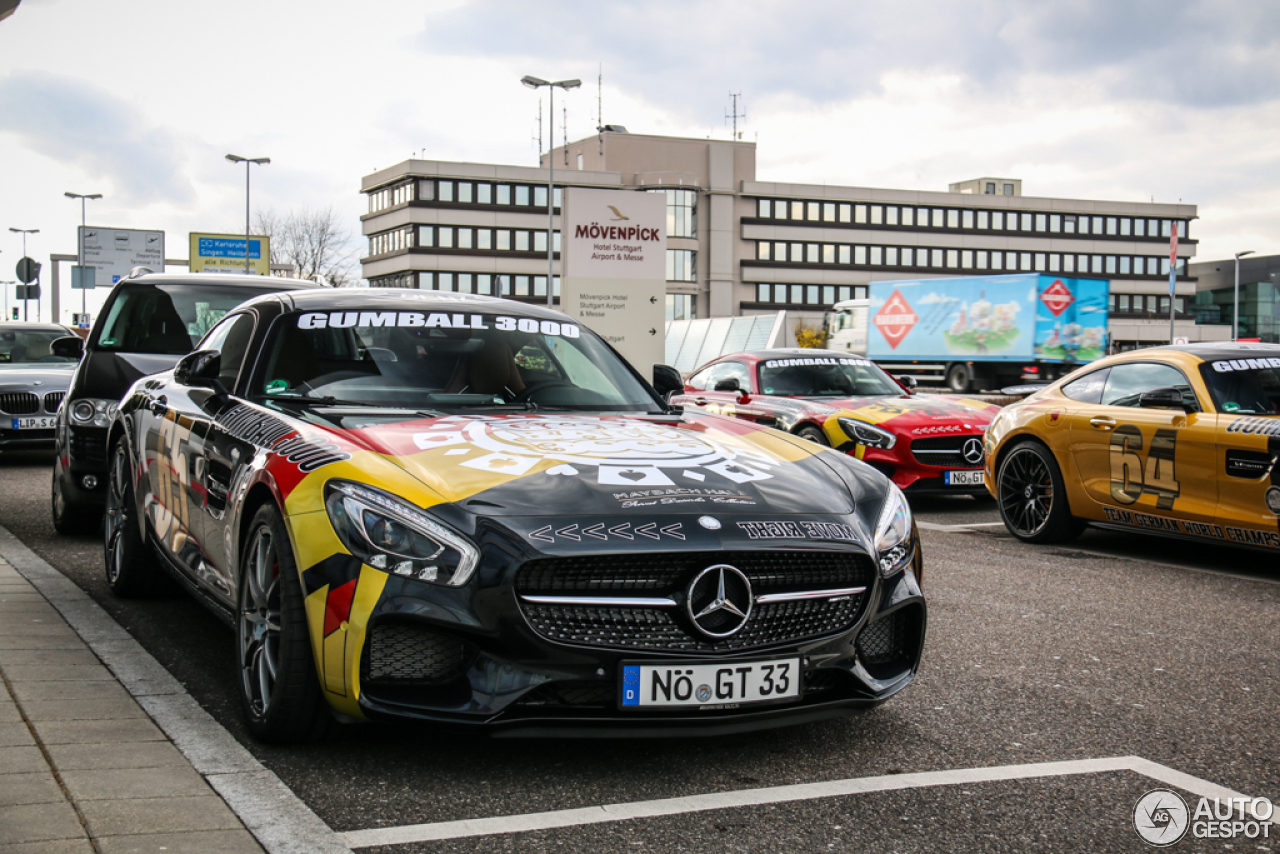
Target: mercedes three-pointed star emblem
<point>719,601</point>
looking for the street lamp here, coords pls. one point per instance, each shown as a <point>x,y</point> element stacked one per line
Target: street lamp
<point>261,161</point>
<point>82,197</point>
<point>1235,327</point>
<point>538,83</point>
<point>24,232</point>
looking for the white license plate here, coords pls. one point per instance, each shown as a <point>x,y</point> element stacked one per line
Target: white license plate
<point>40,422</point>
<point>716,685</point>
<point>965,478</point>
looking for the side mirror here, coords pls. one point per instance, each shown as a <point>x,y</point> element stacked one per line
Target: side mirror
<point>908,381</point>
<point>1162,398</point>
<point>200,370</point>
<point>730,384</point>
<point>71,347</point>
<point>667,381</point>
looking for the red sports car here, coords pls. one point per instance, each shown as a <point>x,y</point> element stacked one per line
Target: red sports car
<point>926,443</point>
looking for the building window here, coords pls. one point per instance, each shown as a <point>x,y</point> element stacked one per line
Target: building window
<point>681,265</point>
<point>680,307</point>
<point>990,189</point>
<point>682,212</point>
<point>764,208</point>
<point>1008,189</point>
<point>806,295</point>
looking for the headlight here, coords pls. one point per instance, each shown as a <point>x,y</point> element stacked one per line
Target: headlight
<point>396,537</point>
<point>892,533</point>
<point>866,434</point>
<point>93,412</point>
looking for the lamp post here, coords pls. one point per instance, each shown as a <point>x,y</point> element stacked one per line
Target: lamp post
<point>80,250</point>
<point>24,232</point>
<point>261,161</point>
<point>537,83</point>
<point>1235,327</point>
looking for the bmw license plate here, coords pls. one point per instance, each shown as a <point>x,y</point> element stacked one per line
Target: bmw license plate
<point>723,685</point>
<point>41,422</point>
<point>964,478</point>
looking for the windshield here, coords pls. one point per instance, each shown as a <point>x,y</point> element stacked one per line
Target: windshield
<point>825,376</point>
<point>168,319</point>
<point>1246,386</point>
<point>441,361</point>
<point>25,346</point>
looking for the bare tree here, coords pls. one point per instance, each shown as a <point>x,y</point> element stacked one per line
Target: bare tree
<point>313,242</point>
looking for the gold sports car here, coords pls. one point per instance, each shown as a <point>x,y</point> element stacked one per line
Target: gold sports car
<point>1180,441</point>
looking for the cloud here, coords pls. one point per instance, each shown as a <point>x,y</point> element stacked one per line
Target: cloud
<point>932,298</point>
<point>690,55</point>
<point>72,122</point>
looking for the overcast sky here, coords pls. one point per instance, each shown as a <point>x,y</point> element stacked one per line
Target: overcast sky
<point>1126,100</point>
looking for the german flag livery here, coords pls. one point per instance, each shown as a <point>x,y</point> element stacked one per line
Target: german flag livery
<point>472,512</point>
<point>1176,441</point>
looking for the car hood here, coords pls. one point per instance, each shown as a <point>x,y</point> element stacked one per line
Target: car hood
<point>55,378</point>
<point>572,463</point>
<point>920,413</point>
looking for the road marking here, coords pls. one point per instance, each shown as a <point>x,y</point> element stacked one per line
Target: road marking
<point>774,795</point>
<point>934,526</point>
<point>281,822</point>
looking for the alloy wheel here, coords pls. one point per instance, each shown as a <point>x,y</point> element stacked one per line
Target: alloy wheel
<point>259,628</point>
<point>1026,492</point>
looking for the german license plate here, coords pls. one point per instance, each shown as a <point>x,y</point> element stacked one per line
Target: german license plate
<point>39,422</point>
<point>964,478</point>
<point>724,684</point>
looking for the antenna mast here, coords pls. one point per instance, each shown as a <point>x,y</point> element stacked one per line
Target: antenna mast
<point>600,106</point>
<point>564,134</point>
<point>735,115</point>
<point>539,130</point>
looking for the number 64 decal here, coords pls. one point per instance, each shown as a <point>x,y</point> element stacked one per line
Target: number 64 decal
<point>1130,477</point>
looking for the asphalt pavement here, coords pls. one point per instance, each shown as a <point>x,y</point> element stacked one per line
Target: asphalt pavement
<point>1059,686</point>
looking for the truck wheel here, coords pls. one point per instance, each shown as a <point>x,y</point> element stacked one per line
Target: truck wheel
<point>959,378</point>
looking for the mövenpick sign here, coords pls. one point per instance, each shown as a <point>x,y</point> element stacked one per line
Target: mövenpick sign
<point>614,250</point>
<point>618,234</point>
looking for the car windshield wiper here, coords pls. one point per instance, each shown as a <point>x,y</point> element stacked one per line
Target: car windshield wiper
<point>328,400</point>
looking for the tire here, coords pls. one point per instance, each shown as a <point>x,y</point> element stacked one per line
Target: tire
<point>70,517</point>
<point>279,691</point>
<point>132,567</point>
<point>1032,498</point>
<point>959,379</point>
<point>813,434</point>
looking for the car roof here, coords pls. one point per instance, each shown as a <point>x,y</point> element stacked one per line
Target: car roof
<point>19,326</point>
<point>1206,351</point>
<point>234,279</point>
<point>407,299</point>
<point>783,353</point>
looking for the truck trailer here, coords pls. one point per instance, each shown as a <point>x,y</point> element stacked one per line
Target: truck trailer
<point>973,333</point>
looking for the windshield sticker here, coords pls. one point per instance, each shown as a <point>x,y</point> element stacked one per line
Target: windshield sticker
<point>621,452</point>
<point>435,320</point>
<point>277,386</point>
<point>815,360</point>
<point>1229,365</point>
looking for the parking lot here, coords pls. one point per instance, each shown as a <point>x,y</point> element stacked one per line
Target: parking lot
<point>1059,685</point>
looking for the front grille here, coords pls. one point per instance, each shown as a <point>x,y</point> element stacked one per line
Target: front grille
<point>944,451</point>
<point>19,403</point>
<point>89,444</point>
<point>667,575</point>
<point>53,400</point>
<point>884,640</point>
<point>403,653</point>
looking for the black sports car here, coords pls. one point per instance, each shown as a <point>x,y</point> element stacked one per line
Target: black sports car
<point>470,511</point>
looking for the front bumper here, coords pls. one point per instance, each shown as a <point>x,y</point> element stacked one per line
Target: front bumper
<point>482,658</point>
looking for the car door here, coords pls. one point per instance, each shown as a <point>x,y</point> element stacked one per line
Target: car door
<point>704,382</point>
<point>216,454</point>
<point>1145,466</point>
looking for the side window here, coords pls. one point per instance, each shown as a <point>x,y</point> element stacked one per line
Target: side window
<point>1126,383</point>
<point>231,337</point>
<point>704,379</point>
<point>734,371</point>
<point>1087,389</point>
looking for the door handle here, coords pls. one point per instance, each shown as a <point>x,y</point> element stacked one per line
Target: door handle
<point>1102,422</point>
<point>701,401</point>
